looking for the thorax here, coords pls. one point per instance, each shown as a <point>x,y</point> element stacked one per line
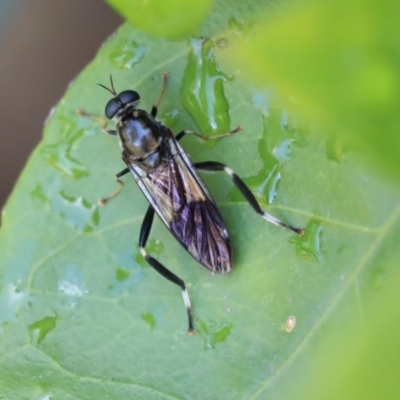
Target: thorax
<point>143,139</point>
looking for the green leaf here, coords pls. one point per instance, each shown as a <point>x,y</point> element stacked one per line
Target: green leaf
<point>337,64</point>
<point>361,358</point>
<point>171,20</point>
<point>178,18</point>
<point>83,316</point>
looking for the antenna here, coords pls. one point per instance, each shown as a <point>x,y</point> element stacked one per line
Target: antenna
<point>112,90</point>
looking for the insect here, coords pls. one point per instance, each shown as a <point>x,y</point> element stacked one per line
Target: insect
<point>173,187</point>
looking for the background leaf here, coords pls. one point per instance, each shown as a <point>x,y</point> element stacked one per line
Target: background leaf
<point>337,68</point>
<point>171,20</point>
<point>83,316</point>
<point>346,366</point>
<point>177,19</point>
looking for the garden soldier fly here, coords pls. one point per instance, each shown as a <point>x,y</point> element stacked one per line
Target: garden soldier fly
<point>173,187</point>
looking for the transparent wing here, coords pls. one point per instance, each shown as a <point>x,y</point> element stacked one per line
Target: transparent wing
<point>182,201</point>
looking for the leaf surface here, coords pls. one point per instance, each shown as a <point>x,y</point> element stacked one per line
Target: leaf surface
<point>83,316</point>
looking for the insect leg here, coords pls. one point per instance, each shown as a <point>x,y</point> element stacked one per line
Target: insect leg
<point>98,119</point>
<point>154,109</point>
<point>249,196</point>
<point>180,135</point>
<point>102,202</point>
<point>166,273</point>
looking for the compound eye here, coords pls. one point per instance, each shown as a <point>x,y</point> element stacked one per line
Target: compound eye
<point>112,108</point>
<point>129,96</point>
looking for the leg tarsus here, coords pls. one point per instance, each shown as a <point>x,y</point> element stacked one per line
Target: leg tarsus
<point>249,196</point>
<point>180,135</point>
<point>102,202</point>
<point>104,122</point>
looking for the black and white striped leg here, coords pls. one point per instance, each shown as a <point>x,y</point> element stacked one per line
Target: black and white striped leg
<point>166,273</point>
<point>216,166</point>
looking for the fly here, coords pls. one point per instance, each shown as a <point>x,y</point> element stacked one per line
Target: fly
<point>173,187</point>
